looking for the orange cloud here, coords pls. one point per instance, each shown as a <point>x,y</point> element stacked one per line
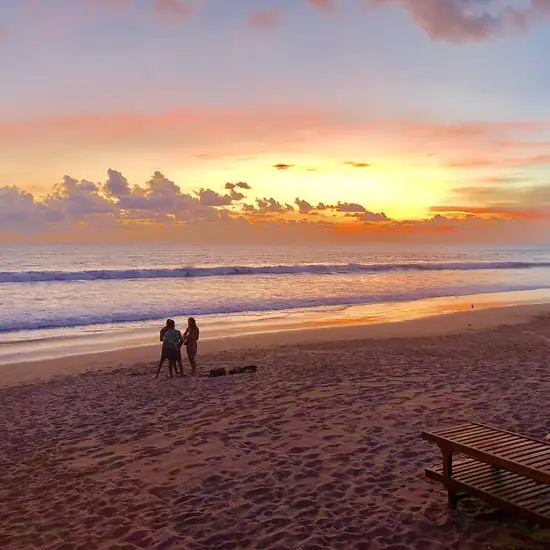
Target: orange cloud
<point>505,193</point>
<point>490,211</point>
<point>115,211</point>
<point>354,164</point>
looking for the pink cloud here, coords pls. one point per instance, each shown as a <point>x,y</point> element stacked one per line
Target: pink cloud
<point>467,21</point>
<point>46,22</point>
<point>322,6</point>
<point>502,161</point>
<point>114,4</point>
<point>174,9</point>
<point>222,132</point>
<point>264,18</point>
<point>197,127</point>
<point>541,6</point>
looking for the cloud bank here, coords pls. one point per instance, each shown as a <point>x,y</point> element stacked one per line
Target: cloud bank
<point>112,210</point>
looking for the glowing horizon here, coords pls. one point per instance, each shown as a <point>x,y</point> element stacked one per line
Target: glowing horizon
<point>428,137</point>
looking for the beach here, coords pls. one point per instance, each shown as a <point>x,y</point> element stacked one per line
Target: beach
<point>320,448</point>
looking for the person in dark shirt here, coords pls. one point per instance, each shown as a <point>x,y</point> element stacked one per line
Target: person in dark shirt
<point>172,340</point>
<point>162,331</point>
<point>164,328</point>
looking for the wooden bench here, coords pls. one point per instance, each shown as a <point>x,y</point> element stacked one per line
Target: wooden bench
<point>507,470</point>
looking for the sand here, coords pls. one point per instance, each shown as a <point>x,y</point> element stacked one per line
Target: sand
<point>319,449</point>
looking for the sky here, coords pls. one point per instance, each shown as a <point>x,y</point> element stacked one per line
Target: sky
<point>275,120</point>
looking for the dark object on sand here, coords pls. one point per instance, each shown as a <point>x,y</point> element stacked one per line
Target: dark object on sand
<point>242,370</point>
<point>217,372</point>
<point>221,371</point>
<point>505,469</point>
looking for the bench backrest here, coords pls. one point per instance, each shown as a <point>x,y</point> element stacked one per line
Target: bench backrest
<point>515,452</point>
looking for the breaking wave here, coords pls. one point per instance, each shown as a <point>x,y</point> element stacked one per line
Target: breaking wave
<point>228,271</point>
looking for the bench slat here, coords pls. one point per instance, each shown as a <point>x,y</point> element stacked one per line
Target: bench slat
<point>486,437</point>
<point>522,491</point>
<point>506,446</point>
<point>533,463</point>
<point>530,495</point>
<point>530,454</point>
<point>543,508</point>
<point>540,463</point>
<point>462,429</point>
<point>509,432</point>
<point>496,444</point>
<point>507,486</point>
<point>488,478</point>
<point>484,443</point>
<point>542,503</point>
<point>507,490</point>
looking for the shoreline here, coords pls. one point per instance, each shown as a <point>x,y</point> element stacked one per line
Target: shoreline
<point>51,343</point>
<point>446,318</point>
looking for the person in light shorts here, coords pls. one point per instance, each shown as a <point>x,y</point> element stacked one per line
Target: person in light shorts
<point>190,339</point>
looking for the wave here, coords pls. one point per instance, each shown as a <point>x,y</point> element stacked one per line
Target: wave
<point>226,271</point>
<point>83,317</point>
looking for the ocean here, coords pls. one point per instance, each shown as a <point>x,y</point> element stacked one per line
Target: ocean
<point>55,297</point>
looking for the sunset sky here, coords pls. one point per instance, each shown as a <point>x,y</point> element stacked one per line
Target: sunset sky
<point>275,119</point>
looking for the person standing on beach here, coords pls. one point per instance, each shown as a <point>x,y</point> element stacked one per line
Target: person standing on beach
<point>162,355</point>
<point>172,341</point>
<point>164,328</point>
<point>162,331</point>
<point>190,339</point>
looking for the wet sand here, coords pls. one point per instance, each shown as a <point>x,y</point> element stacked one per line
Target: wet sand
<point>320,448</point>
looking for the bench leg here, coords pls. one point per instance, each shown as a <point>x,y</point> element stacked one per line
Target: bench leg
<point>451,499</point>
<point>448,472</point>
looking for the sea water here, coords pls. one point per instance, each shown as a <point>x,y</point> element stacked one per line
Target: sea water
<point>60,292</point>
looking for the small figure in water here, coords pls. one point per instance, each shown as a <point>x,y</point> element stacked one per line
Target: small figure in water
<point>190,339</point>
<point>172,341</point>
